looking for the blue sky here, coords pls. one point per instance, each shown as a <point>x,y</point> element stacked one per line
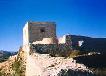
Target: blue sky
<point>79,17</point>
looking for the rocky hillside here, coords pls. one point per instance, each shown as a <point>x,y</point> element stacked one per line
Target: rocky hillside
<point>97,63</point>
<point>14,66</point>
<point>45,65</point>
<point>34,64</point>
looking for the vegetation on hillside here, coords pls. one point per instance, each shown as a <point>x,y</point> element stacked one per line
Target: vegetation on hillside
<point>14,66</point>
<point>19,65</point>
<point>4,55</point>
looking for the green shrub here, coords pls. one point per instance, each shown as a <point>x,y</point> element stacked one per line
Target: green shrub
<point>17,68</point>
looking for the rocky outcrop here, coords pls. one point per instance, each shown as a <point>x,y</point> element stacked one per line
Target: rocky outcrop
<point>6,67</point>
<point>14,66</point>
<point>45,65</point>
<point>34,64</point>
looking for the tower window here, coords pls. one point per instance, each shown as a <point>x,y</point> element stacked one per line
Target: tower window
<point>42,30</point>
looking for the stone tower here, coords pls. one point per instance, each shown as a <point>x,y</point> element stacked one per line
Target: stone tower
<point>36,31</point>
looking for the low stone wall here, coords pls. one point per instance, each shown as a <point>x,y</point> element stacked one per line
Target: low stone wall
<point>52,49</point>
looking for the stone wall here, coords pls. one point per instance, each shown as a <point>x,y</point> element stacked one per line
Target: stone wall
<point>52,49</point>
<point>40,30</point>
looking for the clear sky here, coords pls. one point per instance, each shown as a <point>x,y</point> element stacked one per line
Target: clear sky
<point>79,17</point>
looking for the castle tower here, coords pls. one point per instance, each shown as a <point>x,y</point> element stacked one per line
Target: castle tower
<point>36,31</point>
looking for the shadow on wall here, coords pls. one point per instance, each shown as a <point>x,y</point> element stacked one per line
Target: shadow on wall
<point>52,49</point>
<point>89,44</point>
<point>94,61</point>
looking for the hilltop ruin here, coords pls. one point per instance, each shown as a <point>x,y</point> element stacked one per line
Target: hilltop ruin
<point>41,37</point>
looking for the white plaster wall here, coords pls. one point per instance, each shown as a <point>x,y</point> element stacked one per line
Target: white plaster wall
<point>62,40</point>
<point>25,34</point>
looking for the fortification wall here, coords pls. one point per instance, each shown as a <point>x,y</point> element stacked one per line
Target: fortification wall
<point>52,49</point>
<point>36,31</point>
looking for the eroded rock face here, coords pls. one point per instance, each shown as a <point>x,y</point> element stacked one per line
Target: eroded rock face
<point>45,65</point>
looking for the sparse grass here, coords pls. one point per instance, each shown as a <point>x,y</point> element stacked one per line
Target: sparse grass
<point>76,53</point>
